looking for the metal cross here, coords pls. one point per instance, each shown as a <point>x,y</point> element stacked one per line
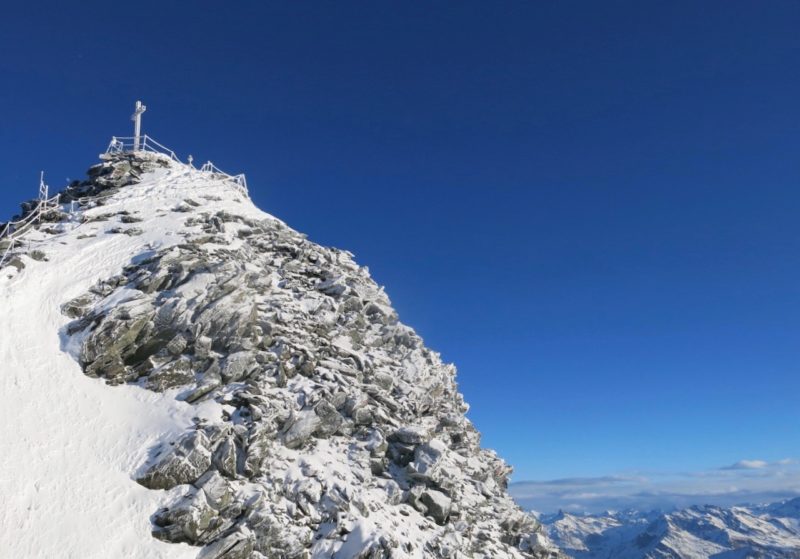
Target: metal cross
<point>136,117</point>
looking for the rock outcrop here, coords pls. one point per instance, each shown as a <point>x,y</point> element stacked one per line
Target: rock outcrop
<point>340,434</point>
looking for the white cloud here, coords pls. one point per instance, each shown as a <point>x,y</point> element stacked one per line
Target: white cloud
<point>746,481</point>
<point>747,465</point>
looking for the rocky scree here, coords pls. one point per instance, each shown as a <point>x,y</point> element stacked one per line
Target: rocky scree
<point>341,432</point>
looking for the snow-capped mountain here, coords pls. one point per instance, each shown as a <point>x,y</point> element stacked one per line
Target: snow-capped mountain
<point>184,375</point>
<point>771,531</point>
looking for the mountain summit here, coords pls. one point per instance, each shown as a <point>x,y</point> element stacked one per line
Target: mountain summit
<point>260,398</point>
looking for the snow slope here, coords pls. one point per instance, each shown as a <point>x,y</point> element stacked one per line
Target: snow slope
<point>70,445</point>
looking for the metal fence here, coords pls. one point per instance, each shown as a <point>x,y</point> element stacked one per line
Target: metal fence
<point>13,231</point>
<point>146,143</point>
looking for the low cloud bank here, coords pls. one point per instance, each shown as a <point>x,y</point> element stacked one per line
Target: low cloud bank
<point>745,482</point>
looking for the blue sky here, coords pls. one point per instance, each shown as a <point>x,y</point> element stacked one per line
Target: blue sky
<point>590,207</point>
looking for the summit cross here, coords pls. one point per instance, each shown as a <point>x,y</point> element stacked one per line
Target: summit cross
<point>136,117</point>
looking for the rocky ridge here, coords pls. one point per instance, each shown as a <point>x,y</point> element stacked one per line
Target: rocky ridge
<point>339,435</point>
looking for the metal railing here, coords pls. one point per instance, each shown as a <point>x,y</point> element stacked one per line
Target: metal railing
<point>146,143</point>
<point>239,182</point>
<point>15,230</point>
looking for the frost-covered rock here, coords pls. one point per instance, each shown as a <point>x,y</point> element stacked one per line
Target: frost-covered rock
<point>181,462</point>
<point>339,435</point>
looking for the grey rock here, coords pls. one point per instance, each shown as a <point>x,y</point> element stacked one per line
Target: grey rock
<point>237,545</point>
<point>363,416</point>
<point>412,435</point>
<point>384,380</point>
<point>185,521</point>
<point>225,457</point>
<point>301,429</point>
<point>238,365</point>
<point>217,490</point>
<point>202,347</point>
<point>78,307</point>
<point>182,462</point>
<point>330,419</point>
<point>209,383</point>
<point>259,441</point>
<point>172,374</point>
<point>414,498</point>
<point>427,461</point>
<point>438,505</point>
<point>177,345</point>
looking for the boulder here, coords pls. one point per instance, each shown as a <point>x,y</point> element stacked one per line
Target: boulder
<point>301,428</point>
<point>426,464</point>
<point>184,461</point>
<point>217,490</point>
<point>177,345</point>
<point>412,435</point>
<point>330,419</point>
<point>236,545</point>
<point>225,458</point>
<point>438,505</point>
<point>185,521</point>
<point>202,347</point>
<point>175,373</point>
<point>238,365</point>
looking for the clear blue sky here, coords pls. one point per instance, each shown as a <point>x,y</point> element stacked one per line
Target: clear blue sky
<point>590,207</point>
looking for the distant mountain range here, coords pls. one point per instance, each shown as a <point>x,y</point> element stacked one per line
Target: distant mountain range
<point>700,532</point>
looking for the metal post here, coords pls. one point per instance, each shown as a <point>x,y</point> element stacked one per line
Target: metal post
<point>137,123</point>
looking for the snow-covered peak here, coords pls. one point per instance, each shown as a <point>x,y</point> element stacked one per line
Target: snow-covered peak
<point>259,387</point>
<point>693,533</point>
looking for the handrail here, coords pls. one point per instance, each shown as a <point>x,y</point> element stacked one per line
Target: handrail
<point>239,181</point>
<point>21,226</point>
<point>14,230</point>
<point>32,216</point>
<point>120,144</point>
